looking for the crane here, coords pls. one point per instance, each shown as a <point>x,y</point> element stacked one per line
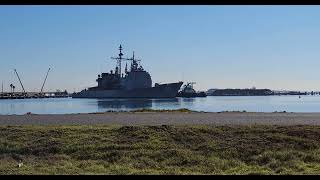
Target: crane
<point>20,81</point>
<point>44,81</point>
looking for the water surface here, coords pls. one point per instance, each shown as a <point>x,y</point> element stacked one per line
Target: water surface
<point>208,104</point>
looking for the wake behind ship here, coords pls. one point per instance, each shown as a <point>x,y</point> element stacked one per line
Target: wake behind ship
<point>135,83</point>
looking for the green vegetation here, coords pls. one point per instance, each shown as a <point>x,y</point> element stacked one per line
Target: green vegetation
<point>160,150</point>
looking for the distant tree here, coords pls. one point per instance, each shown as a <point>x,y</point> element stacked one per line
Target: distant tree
<point>11,85</point>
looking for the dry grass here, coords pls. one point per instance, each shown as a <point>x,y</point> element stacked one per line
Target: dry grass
<point>160,150</point>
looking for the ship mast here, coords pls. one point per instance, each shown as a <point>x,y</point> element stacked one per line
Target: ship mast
<point>119,59</point>
<point>134,64</point>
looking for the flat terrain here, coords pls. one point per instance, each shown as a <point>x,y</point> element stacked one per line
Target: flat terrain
<point>160,149</point>
<point>165,118</point>
<point>160,142</point>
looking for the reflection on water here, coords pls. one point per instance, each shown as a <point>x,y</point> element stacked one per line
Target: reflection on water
<point>188,100</point>
<point>209,104</point>
<point>126,104</point>
<point>172,103</point>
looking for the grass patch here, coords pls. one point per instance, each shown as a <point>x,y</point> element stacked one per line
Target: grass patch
<point>160,149</point>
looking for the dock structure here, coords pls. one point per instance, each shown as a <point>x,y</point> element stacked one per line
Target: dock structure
<point>33,95</point>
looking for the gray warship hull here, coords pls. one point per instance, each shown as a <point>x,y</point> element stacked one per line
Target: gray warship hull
<point>160,91</point>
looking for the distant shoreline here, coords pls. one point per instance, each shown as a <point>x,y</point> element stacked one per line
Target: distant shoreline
<point>256,92</point>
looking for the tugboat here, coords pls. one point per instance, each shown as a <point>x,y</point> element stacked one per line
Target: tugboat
<point>188,91</point>
<point>135,83</point>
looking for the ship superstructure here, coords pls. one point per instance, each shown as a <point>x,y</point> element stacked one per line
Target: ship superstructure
<point>133,83</point>
<point>188,91</point>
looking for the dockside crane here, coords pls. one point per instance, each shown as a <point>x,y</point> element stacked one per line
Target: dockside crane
<point>41,91</point>
<point>20,81</point>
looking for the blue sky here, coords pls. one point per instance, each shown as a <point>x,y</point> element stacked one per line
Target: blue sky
<point>273,47</point>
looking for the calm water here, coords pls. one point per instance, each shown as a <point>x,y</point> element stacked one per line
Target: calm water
<point>209,104</point>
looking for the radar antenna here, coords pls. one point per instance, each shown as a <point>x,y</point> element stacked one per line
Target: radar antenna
<point>119,59</point>
<point>134,64</point>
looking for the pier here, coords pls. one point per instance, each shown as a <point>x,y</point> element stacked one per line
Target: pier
<point>33,95</point>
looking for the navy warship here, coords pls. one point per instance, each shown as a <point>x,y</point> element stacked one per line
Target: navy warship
<point>134,83</point>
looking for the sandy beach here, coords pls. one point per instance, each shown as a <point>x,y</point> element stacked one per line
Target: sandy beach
<point>165,118</point>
